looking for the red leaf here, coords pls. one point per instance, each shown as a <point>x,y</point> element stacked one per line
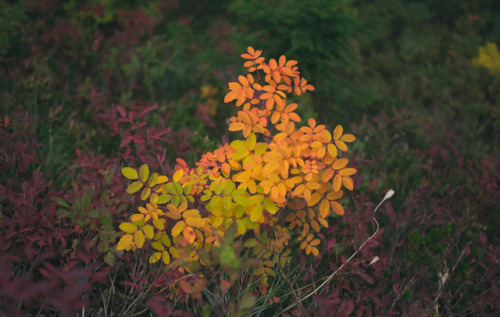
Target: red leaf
<point>126,140</point>
<point>146,110</point>
<point>138,138</point>
<point>158,134</point>
<point>83,256</point>
<point>483,238</point>
<point>139,125</point>
<point>122,111</point>
<point>100,276</point>
<point>396,288</point>
<point>366,277</point>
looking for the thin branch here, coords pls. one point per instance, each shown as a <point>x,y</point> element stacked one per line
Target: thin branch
<point>388,195</point>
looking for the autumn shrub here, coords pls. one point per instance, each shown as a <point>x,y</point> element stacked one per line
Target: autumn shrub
<point>279,184</point>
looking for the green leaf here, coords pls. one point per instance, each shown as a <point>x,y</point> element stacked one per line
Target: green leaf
<point>109,258</point>
<point>239,210</point>
<point>187,189</point>
<point>177,188</point>
<point>94,213</point>
<point>60,201</point>
<point>130,173</point>
<point>228,188</point>
<point>164,199</point>
<point>247,301</point>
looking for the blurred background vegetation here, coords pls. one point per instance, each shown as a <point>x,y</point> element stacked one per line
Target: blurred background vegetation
<point>398,74</point>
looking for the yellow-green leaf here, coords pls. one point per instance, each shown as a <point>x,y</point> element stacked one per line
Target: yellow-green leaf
<point>144,173</point>
<point>164,199</point>
<point>145,193</point>
<point>128,227</point>
<point>165,257</point>
<point>148,231</point>
<point>270,206</point>
<point>159,223</point>
<point>240,200</point>
<point>256,213</point>
<point>241,226</point>
<point>129,173</point>
<point>157,245</point>
<point>155,257</point>
<point>153,180</point>
<point>134,187</point>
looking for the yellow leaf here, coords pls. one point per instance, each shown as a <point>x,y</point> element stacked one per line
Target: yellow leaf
<point>159,224</point>
<point>341,145</point>
<point>323,222</point>
<point>136,217</point>
<point>340,163</point>
<point>315,251</point>
<point>139,238</point>
<point>134,187</point>
<point>337,133</point>
<point>314,199</point>
<point>337,208</point>
<point>165,257</point>
<point>162,179</point>
<point>128,227</point>
<point>124,242</point>
<point>148,231</point>
<point>332,150</point>
<point>155,257</point>
<point>324,208</point>
<point>327,174</point>
<point>178,175</point>
<point>337,182</point>
<point>196,222</point>
<point>348,138</point>
<point>144,173</point>
<point>129,173</point>
<point>348,183</point>
<point>179,226</point>
<point>334,195</point>
<point>315,225</point>
<point>174,214</point>
<point>347,171</point>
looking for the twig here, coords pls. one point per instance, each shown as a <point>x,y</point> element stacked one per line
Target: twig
<point>388,195</point>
